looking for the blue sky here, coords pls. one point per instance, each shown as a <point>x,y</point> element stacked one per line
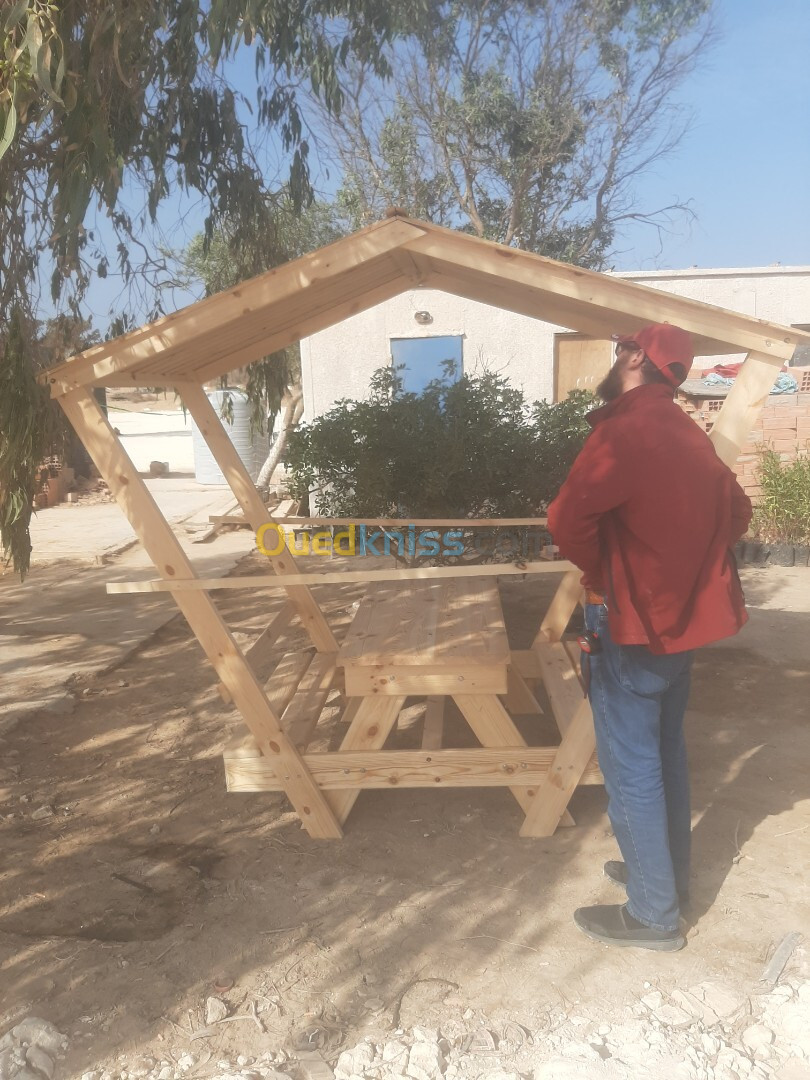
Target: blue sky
<point>746,163</point>
<point>744,166</point>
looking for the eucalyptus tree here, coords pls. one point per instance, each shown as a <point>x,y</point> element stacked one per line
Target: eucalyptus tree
<point>529,122</point>
<point>112,110</point>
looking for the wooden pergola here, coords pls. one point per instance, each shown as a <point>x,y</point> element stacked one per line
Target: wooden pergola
<point>436,632</point>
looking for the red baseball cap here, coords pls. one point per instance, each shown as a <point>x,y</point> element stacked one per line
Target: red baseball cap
<point>664,344</point>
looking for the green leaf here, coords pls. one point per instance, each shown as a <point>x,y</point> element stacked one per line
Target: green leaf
<point>10,125</point>
<point>15,14</point>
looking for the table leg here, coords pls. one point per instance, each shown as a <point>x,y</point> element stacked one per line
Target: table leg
<point>575,752</point>
<point>494,727</point>
<point>373,720</point>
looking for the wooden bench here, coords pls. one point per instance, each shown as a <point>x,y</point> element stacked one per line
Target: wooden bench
<point>435,640</point>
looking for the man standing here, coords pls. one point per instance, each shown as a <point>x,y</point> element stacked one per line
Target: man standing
<point>650,514</point>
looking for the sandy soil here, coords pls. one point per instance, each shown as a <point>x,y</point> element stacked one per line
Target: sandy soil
<point>149,887</point>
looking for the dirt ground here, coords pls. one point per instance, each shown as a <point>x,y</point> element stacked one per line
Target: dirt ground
<point>149,888</point>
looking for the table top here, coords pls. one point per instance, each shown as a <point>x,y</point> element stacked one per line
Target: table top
<point>449,622</point>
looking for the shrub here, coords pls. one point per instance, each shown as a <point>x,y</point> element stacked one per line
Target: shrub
<point>783,511</point>
<point>469,448</point>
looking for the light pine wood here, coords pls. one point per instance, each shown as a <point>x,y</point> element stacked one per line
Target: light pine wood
<point>373,722</point>
<point>248,497</point>
<point>347,773</point>
<point>280,688</point>
<point>580,363</point>
<point>258,654</point>
<point>446,622</point>
<point>256,317</point>
<point>426,680</point>
<point>525,662</point>
<point>297,519</point>
<point>613,304</point>
<point>519,698</point>
<point>301,716</point>
<point>193,324</point>
<point>433,726</point>
<point>494,727</point>
<point>741,407</point>
<point>311,320</point>
<point>241,744</point>
<point>349,577</point>
<point>132,495</point>
<point>562,607</point>
<point>572,759</point>
<point>561,682</point>
<point>442,636</point>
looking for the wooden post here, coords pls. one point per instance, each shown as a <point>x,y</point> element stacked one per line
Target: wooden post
<point>371,725</point>
<point>248,497</point>
<point>741,408</point>
<point>560,609</point>
<point>216,640</point>
<point>570,762</point>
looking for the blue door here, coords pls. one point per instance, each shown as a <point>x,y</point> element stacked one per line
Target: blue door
<point>424,359</point>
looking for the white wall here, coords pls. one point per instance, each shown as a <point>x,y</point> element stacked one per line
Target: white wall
<point>339,361</point>
<point>779,294</point>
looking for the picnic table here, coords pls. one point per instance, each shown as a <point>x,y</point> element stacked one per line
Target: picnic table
<point>439,641</point>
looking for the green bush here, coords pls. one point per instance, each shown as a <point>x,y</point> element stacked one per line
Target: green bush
<point>469,448</point>
<point>783,511</point>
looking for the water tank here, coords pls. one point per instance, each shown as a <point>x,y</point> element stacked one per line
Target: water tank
<point>252,448</point>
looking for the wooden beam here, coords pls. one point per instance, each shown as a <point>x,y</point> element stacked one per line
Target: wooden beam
<point>301,716</point>
<point>525,661</point>
<point>620,306</point>
<point>370,727</point>
<point>346,773</point>
<point>433,726</point>
<point>208,316</point>
<point>472,523</point>
<point>260,651</point>
<point>252,504</point>
<point>424,679</point>
<point>280,326</point>
<point>162,546</point>
<point>738,414</point>
<point>284,327</point>
<point>494,727</point>
<point>348,577</point>
<point>283,683</point>
<point>562,684</point>
<point>573,759</point>
<point>561,608</point>
<point>519,700</point>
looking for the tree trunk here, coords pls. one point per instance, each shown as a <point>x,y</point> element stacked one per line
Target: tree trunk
<point>293,410</point>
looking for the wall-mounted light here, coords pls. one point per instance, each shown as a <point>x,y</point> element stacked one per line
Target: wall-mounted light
<point>423,317</point>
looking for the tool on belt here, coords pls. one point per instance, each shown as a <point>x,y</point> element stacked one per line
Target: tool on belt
<point>591,645</point>
<point>590,642</point>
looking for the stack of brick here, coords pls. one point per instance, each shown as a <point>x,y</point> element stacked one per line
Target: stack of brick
<point>783,425</point>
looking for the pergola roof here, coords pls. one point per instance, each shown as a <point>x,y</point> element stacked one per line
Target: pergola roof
<point>241,325</point>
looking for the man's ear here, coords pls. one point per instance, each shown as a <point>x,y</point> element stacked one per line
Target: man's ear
<point>635,360</point>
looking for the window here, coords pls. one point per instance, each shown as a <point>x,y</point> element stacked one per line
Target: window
<point>424,359</point>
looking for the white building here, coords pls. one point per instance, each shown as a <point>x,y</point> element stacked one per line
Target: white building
<point>423,326</point>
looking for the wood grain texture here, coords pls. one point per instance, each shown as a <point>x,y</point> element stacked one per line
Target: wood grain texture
<point>262,581</point>
<point>163,548</point>
<point>347,773</point>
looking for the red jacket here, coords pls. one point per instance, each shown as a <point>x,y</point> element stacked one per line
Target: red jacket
<point>650,513</point>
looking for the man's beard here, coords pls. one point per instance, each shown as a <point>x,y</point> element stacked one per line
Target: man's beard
<point>611,386</point>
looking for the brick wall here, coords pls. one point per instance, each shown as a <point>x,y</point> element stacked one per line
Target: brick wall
<point>783,425</point>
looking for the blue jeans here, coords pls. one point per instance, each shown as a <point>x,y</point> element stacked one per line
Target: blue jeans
<point>638,702</point>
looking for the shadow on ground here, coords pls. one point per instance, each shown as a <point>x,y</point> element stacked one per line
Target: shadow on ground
<point>149,886</point>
